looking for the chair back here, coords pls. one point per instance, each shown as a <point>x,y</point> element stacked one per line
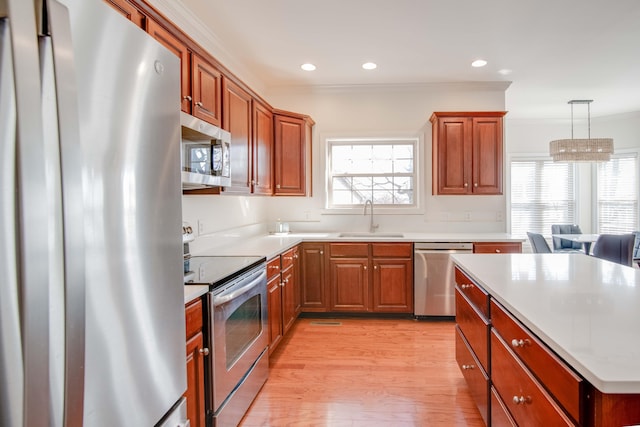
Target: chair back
<point>615,247</point>
<point>538,243</point>
<point>636,247</point>
<point>563,244</point>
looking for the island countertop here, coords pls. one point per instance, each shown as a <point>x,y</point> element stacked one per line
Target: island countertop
<point>585,309</point>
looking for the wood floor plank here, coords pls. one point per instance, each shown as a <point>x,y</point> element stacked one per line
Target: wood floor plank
<point>365,372</point>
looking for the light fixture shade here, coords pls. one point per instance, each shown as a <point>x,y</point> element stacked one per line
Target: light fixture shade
<point>581,150</point>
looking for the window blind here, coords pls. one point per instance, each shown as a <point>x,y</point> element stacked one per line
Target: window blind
<point>617,194</point>
<point>542,194</point>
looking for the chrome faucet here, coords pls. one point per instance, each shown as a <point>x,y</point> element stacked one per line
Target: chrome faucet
<point>372,226</point>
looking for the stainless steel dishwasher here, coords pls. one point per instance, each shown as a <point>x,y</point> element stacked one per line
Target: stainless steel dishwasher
<point>434,281</point>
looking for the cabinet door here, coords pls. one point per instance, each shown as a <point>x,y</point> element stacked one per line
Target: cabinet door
<point>129,11</point>
<point>290,152</point>
<point>296,280</point>
<point>172,43</point>
<point>487,155</point>
<point>312,273</point>
<point>237,120</point>
<point>274,302</point>
<point>452,154</point>
<point>349,284</point>
<point>195,381</point>
<point>393,285</point>
<point>288,299</point>
<point>262,149</point>
<point>207,84</point>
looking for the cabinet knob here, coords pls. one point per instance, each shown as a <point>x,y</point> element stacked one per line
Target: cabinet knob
<point>365,267</point>
<point>475,184</point>
<point>521,400</point>
<point>199,104</point>
<point>295,256</point>
<point>466,286</point>
<point>497,251</point>
<point>321,252</point>
<point>253,182</point>
<point>204,351</point>
<point>375,267</point>
<point>465,367</point>
<point>278,186</point>
<point>187,97</point>
<point>466,185</point>
<point>519,343</point>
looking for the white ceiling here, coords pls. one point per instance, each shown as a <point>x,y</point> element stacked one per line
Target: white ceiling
<point>558,50</point>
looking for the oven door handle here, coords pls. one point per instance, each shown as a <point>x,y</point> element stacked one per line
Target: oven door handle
<point>234,292</point>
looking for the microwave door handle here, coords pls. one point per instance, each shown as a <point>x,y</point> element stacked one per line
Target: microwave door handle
<point>225,297</point>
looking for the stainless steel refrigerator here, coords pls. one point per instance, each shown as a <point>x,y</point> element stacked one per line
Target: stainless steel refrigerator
<point>91,300</point>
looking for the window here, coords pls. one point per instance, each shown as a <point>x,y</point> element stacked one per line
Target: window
<point>617,194</point>
<point>542,194</point>
<point>381,170</point>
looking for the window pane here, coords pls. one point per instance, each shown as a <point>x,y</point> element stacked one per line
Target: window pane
<point>382,171</point>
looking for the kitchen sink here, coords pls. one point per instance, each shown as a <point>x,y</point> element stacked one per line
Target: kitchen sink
<point>369,235</point>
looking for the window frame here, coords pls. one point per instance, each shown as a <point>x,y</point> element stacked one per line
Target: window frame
<point>415,140</point>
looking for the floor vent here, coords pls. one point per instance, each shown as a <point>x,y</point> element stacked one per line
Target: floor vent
<point>325,323</point>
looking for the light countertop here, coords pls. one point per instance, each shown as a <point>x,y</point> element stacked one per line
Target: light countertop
<point>272,245</point>
<point>587,310</point>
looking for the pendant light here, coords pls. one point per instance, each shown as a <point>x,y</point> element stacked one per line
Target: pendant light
<point>581,149</point>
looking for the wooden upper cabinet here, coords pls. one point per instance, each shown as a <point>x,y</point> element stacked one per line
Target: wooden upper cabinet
<point>180,49</point>
<point>292,160</point>
<point>467,152</point>
<point>262,149</point>
<point>207,89</point>
<point>237,120</point>
<point>129,11</point>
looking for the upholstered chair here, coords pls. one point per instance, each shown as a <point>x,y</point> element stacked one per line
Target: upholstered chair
<point>615,247</point>
<point>538,243</point>
<point>563,245</point>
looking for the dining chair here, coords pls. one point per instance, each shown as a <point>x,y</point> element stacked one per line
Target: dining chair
<point>538,243</point>
<point>615,247</point>
<point>563,245</point>
<point>636,248</point>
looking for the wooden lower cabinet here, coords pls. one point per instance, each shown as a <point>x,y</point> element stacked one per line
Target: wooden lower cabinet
<point>282,294</point>
<point>349,284</point>
<point>196,352</point>
<point>392,285</point>
<point>313,295</point>
<point>500,416</point>
<point>475,376</point>
<point>497,247</point>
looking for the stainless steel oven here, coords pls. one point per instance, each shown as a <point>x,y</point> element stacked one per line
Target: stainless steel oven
<point>238,331</point>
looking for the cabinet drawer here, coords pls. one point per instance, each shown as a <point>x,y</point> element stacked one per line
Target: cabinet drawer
<point>193,317</point>
<point>273,267</point>
<point>476,378</point>
<point>500,416</point>
<point>524,397</point>
<point>392,250</point>
<point>497,247</point>
<point>349,250</point>
<point>474,327</point>
<point>560,380</point>
<point>287,259</point>
<point>478,297</point>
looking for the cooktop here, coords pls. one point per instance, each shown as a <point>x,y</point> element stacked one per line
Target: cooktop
<point>215,270</point>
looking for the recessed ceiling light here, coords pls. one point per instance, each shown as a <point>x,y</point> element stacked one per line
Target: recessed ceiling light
<point>308,67</point>
<point>369,66</point>
<point>479,63</point>
<point>505,71</point>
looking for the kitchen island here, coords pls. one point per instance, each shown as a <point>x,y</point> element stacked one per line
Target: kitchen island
<point>583,309</point>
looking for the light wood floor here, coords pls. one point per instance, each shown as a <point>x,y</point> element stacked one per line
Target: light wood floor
<point>365,372</point>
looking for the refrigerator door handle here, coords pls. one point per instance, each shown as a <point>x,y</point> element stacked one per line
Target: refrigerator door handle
<point>28,286</point>
<point>72,209</point>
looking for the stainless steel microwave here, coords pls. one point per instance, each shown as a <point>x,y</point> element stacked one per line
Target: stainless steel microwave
<point>205,154</point>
